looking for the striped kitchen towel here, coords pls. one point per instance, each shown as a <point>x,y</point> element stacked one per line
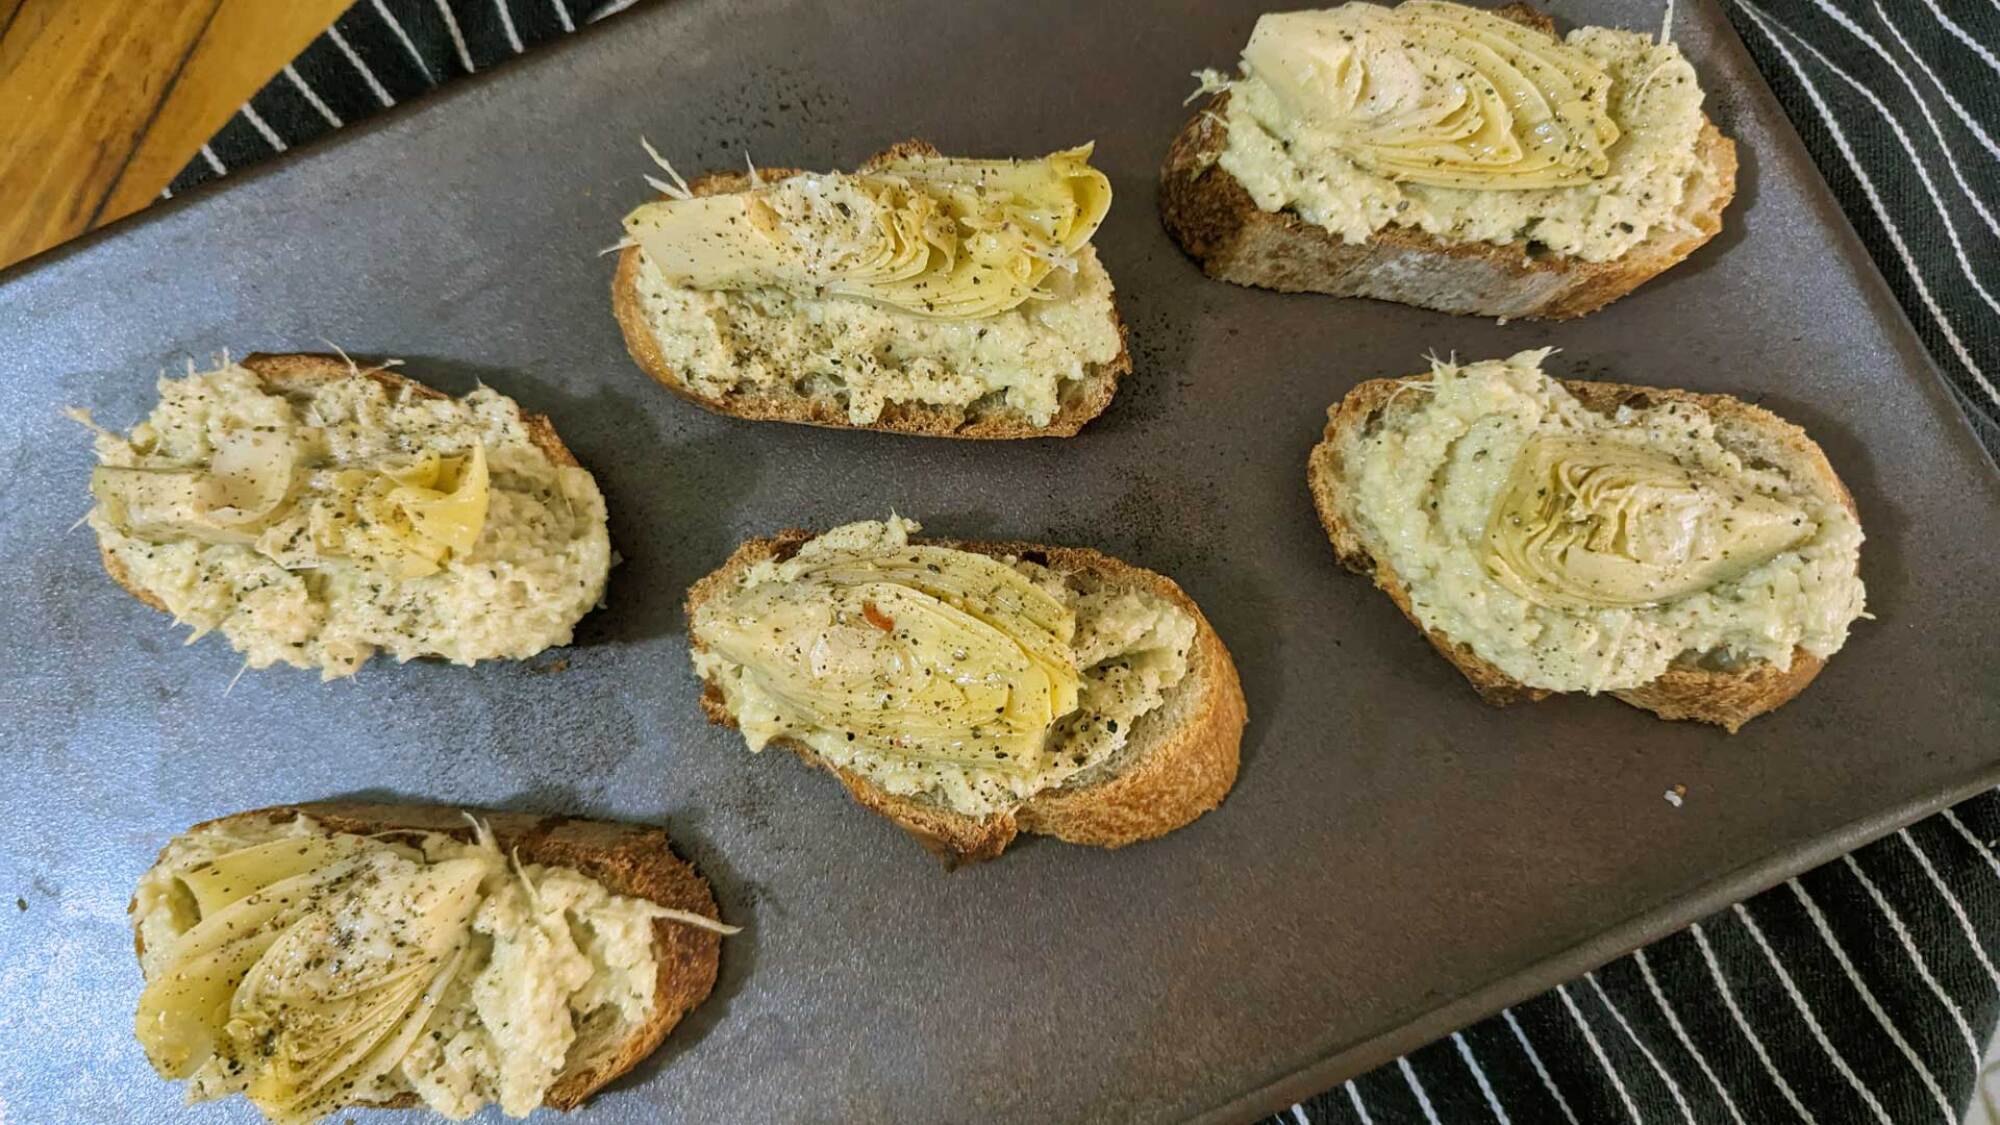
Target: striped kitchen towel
<point>379,53</point>
<point>1864,991</point>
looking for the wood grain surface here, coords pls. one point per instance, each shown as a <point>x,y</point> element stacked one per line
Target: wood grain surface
<point>102,102</point>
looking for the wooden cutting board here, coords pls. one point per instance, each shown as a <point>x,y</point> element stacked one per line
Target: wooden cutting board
<point>107,100</point>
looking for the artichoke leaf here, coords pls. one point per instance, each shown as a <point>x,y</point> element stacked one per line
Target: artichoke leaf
<point>249,476</point>
<point>236,875</point>
<point>1584,524</point>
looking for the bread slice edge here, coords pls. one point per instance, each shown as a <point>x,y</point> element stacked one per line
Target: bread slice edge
<point>635,860</point>
<point>1727,699</point>
<point>1166,786</point>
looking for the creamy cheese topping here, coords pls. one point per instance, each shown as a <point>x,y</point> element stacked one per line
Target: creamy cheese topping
<point>312,970</point>
<point>775,341</point>
<point>315,528</point>
<point>1465,126</point>
<point>1582,552</point>
<point>937,673</point>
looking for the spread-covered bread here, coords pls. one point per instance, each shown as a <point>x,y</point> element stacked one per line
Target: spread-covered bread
<point>315,512</point>
<point>969,690</point>
<point>317,957</point>
<point>1688,553</point>
<point>1451,157</point>
<point>920,293</point>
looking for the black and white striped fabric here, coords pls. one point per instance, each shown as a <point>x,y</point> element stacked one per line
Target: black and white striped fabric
<point>1899,101</point>
<point>377,54</point>
<point>1864,991</point>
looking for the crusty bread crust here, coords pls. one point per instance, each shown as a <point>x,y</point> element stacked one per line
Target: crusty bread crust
<point>629,859</point>
<point>1182,773</point>
<point>304,372</point>
<point>1085,400</point>
<point>1214,219</point>
<point>1726,698</point>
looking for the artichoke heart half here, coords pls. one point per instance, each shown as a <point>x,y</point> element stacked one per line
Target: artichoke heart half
<point>1440,94</point>
<point>407,518</point>
<point>1585,524</point>
<point>936,236</point>
<point>313,967</point>
<point>920,653</point>
<point>243,488</point>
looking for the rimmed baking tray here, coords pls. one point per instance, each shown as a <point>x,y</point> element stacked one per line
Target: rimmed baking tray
<point>1397,859</point>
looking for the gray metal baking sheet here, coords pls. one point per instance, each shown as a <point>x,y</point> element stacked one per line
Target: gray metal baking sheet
<point>1396,860</point>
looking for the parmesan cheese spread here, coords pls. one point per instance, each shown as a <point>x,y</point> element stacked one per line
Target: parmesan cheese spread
<point>773,341</point>
<point>311,970</point>
<point>1577,551</point>
<point>940,674</point>
<point>1361,117</point>
<point>316,527</point>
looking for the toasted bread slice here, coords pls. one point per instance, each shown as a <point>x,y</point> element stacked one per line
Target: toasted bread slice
<point>1214,219</point>
<point>1725,697</point>
<point>1180,761</point>
<point>990,418</point>
<point>300,372</point>
<point>629,859</point>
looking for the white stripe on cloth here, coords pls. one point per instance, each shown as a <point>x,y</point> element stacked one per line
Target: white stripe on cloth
<point>408,44</point>
<point>326,111</point>
<point>507,24</point>
<point>1923,107</point>
<point>612,9</point>
<point>1812,1021</point>
<point>1673,1087</point>
<point>271,136</point>
<point>1541,1071</point>
<point>457,36</point>
<point>1903,935</point>
<point>1958,109</point>
<point>1958,32</point>
<point>1298,1111</point>
<point>1417,1088</point>
<point>1895,233</point>
<point>1597,1049</point>
<point>1360,1110</point>
<point>1869,1001</point>
<point>1984,852</point>
<point>368,76</point>
<point>1957,908</point>
<point>1674,1021</point>
<point>1479,1076</point>
<point>562,13</point>
<point>214,161</point>
<point>1750,1033</point>
<point>1917,164</point>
